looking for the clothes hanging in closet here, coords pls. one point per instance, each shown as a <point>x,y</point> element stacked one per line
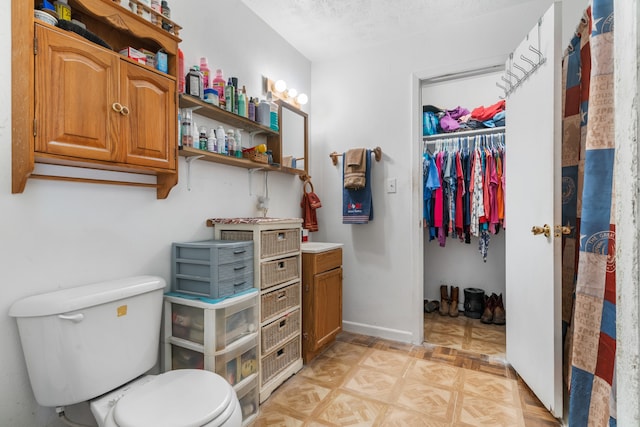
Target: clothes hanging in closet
<point>464,189</point>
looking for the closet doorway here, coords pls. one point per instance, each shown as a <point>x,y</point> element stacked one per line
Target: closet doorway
<point>459,263</point>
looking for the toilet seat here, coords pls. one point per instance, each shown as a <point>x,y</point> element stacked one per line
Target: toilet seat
<point>185,398</point>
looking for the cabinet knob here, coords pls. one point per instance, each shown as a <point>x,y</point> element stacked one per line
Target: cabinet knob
<point>116,107</point>
<point>125,110</point>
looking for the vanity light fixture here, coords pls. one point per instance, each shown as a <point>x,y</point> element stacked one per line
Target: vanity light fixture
<point>279,90</point>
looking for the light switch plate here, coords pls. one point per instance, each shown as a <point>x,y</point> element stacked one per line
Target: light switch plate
<point>391,185</point>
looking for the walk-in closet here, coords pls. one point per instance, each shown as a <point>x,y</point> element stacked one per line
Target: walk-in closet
<point>471,261</point>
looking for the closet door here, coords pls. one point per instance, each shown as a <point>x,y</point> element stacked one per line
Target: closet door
<point>533,174</point>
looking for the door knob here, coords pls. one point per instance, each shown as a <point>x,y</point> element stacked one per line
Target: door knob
<point>562,229</point>
<point>545,229</point>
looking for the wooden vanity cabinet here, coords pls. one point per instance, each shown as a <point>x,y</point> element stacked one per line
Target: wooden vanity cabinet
<point>321,300</point>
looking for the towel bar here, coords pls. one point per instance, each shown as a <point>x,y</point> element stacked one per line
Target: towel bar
<point>377,151</point>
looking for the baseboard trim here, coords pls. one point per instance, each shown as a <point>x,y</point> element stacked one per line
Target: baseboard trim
<point>377,331</point>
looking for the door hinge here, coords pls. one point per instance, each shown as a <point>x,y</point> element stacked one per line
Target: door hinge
<point>305,336</point>
<point>35,45</point>
<point>306,287</point>
<point>35,127</point>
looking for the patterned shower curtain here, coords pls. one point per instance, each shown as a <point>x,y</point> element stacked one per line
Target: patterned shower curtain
<point>588,278</point>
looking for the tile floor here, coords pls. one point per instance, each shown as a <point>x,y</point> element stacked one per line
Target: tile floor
<point>367,381</point>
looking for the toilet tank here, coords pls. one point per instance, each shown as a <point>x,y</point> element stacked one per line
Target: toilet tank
<point>82,342</point>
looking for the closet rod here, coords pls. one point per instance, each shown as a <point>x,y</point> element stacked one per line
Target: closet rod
<point>464,133</point>
<point>377,151</point>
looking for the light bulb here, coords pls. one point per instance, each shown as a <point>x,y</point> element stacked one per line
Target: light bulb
<point>302,99</point>
<point>292,93</point>
<point>280,86</point>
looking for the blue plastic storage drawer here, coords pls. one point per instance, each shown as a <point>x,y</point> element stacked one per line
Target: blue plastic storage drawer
<point>212,268</point>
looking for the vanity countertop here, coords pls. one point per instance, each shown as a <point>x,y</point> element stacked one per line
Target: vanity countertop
<point>316,247</point>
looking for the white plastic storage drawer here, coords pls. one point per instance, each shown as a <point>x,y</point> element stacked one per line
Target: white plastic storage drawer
<point>185,358</point>
<point>276,302</point>
<point>279,271</point>
<point>248,395</point>
<point>279,242</point>
<point>275,362</point>
<point>238,363</point>
<point>212,268</point>
<point>280,331</point>
<point>216,325</point>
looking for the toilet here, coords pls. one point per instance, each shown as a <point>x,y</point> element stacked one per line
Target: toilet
<point>96,342</point>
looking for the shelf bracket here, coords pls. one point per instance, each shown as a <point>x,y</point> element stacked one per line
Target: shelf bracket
<point>251,135</point>
<point>189,160</point>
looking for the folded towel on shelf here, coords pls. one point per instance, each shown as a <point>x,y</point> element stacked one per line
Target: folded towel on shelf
<point>354,168</point>
<point>357,205</point>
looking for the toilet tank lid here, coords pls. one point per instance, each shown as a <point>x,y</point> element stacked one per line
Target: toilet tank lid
<point>80,297</point>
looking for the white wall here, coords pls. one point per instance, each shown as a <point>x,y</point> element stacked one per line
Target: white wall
<point>58,234</point>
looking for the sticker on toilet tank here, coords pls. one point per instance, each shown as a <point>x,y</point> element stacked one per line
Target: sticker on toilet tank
<point>122,310</point>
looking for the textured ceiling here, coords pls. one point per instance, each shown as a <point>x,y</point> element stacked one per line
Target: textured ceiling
<point>320,29</point>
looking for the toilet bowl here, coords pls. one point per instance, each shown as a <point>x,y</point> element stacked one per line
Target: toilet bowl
<point>186,398</point>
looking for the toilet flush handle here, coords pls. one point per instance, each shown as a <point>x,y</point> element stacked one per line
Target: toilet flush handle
<point>75,318</point>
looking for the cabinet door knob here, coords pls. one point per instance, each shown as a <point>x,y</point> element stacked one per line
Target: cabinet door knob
<point>125,110</point>
<point>116,107</point>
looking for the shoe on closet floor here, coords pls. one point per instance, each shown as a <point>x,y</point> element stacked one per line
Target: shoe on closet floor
<point>444,300</point>
<point>489,308</point>
<point>499,317</point>
<point>431,306</point>
<point>453,304</point>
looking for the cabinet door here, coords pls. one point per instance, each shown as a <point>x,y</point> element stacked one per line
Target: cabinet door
<point>76,84</point>
<point>149,127</point>
<point>327,300</point>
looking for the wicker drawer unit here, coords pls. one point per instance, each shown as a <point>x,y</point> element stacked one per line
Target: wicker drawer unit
<point>277,302</point>
<point>279,242</point>
<point>280,331</point>
<point>277,269</point>
<point>212,268</point>
<point>275,362</point>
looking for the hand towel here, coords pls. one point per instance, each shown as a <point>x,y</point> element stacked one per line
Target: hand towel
<point>354,168</point>
<point>357,205</point>
<point>310,202</point>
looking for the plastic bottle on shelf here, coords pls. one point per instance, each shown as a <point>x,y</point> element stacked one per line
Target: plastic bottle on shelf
<point>204,69</point>
<point>220,137</point>
<point>166,12</point>
<point>228,96</point>
<point>181,81</point>
<point>211,141</point>
<point>273,112</point>
<point>242,104</point>
<point>194,82</point>
<point>238,138</point>
<point>218,84</point>
<point>187,140</point>
<point>251,110</point>
<point>263,113</point>
<point>203,138</point>
<point>63,9</point>
<point>231,140</point>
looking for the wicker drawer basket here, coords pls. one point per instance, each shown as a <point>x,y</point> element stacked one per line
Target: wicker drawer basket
<point>279,242</point>
<point>280,331</point>
<point>279,271</point>
<point>273,363</point>
<point>277,302</point>
<point>236,235</point>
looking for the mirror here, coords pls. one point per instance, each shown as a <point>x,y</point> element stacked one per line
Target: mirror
<point>294,137</point>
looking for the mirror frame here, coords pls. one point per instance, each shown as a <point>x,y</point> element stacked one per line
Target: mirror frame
<point>305,117</point>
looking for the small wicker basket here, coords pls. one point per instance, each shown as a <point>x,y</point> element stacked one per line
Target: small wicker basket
<point>255,156</point>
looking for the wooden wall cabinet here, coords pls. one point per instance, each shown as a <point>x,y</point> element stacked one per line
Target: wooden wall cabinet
<point>321,300</point>
<point>90,106</point>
